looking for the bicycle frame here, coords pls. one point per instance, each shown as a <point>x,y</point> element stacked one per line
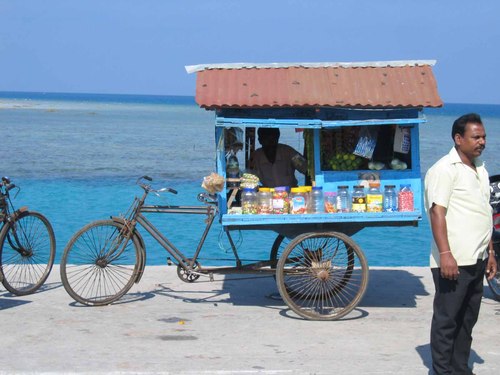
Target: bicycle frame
<point>190,265</point>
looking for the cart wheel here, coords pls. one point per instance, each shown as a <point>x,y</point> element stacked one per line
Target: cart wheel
<point>322,276</point>
<point>187,275</point>
<point>279,245</point>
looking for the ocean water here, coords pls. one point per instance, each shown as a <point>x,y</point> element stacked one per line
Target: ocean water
<point>76,158</point>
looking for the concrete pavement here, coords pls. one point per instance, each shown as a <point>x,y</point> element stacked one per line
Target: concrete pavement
<point>229,326</point>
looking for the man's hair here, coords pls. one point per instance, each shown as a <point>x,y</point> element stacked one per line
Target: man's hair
<point>268,132</point>
<point>461,122</point>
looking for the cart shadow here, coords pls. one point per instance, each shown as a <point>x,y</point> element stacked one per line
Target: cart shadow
<point>386,288</point>
<point>393,288</point>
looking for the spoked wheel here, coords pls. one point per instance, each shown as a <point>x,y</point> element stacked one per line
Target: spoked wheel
<point>279,245</point>
<point>187,275</point>
<point>495,282</point>
<point>98,265</point>
<point>322,276</point>
<point>27,247</point>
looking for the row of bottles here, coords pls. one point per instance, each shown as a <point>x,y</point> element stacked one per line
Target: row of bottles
<point>306,199</point>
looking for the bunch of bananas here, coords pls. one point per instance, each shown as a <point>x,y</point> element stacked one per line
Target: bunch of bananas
<point>345,162</point>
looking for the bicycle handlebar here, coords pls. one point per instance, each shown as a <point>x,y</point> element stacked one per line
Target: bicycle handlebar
<point>148,188</point>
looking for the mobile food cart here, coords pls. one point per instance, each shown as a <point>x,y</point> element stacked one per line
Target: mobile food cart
<point>360,123</point>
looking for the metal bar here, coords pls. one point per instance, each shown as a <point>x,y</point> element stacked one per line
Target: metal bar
<point>176,209</point>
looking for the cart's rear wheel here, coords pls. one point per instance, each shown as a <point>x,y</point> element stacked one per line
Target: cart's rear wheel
<point>322,276</point>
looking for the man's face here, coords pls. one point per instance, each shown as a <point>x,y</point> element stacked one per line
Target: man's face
<point>473,142</point>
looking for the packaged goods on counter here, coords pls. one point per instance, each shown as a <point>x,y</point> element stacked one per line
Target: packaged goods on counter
<point>330,198</point>
<point>358,199</point>
<point>248,201</point>
<point>343,199</point>
<point>374,198</point>
<point>281,203</point>
<point>264,201</point>
<point>405,198</point>
<point>298,200</point>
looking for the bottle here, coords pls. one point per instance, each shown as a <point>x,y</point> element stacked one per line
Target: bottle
<point>330,198</point>
<point>358,199</point>
<point>343,199</point>
<point>390,198</point>
<point>317,202</point>
<point>232,171</point>
<point>298,201</point>
<point>374,198</point>
<point>248,201</point>
<point>264,201</point>
<point>281,204</point>
<point>405,198</point>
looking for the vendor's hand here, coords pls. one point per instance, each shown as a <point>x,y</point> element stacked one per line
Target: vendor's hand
<point>449,267</point>
<point>491,267</point>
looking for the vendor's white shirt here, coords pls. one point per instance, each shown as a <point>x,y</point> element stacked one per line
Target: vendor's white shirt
<point>465,195</point>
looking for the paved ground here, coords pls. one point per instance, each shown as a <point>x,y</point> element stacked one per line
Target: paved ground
<point>230,327</point>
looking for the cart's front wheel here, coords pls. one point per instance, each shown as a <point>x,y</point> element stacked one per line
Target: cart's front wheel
<point>322,276</point>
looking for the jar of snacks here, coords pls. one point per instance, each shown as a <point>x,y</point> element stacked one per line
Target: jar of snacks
<point>281,204</point>
<point>298,201</point>
<point>405,198</point>
<point>374,198</point>
<point>248,201</point>
<point>264,201</point>
<point>358,199</point>
<point>330,198</point>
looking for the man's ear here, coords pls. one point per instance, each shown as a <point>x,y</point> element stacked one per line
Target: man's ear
<point>458,139</point>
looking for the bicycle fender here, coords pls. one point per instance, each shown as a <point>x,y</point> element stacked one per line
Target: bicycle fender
<point>142,250</point>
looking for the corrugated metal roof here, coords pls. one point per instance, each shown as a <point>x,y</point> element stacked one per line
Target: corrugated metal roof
<point>360,85</point>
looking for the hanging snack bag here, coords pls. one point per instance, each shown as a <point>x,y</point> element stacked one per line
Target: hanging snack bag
<point>367,142</point>
<point>402,140</point>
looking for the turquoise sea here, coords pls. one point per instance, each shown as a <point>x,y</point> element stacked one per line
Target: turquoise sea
<point>76,158</point>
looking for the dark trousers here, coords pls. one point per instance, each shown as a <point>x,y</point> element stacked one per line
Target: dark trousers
<point>456,309</point>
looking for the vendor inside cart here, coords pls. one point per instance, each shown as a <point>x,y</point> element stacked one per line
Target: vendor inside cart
<point>275,163</point>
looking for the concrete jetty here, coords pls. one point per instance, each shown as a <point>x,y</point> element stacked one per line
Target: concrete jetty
<point>232,325</point>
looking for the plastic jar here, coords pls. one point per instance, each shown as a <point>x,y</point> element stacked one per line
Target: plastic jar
<point>281,204</point>
<point>298,201</point>
<point>316,200</point>
<point>330,198</point>
<point>248,201</point>
<point>343,199</point>
<point>405,198</point>
<point>358,199</point>
<point>264,201</point>
<point>374,198</point>
<point>390,198</point>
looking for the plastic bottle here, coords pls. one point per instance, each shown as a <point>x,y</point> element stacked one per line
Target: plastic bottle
<point>390,198</point>
<point>405,198</point>
<point>248,201</point>
<point>374,198</point>
<point>281,203</point>
<point>343,199</point>
<point>298,201</point>
<point>330,198</point>
<point>358,199</point>
<point>317,202</point>
<point>265,201</point>
<point>232,170</point>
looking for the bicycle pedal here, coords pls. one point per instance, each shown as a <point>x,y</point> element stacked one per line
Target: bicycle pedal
<point>211,276</point>
<point>169,261</point>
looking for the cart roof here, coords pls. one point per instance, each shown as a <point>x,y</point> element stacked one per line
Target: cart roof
<point>379,84</point>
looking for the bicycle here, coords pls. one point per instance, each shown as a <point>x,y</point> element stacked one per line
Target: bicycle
<point>27,245</point>
<point>320,275</point>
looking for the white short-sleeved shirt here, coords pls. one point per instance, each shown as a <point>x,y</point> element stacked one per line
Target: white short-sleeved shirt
<point>465,194</point>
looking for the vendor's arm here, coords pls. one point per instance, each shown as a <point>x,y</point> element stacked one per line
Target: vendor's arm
<point>491,266</point>
<point>448,264</point>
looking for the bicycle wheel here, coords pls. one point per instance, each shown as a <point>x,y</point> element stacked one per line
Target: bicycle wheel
<point>494,283</point>
<point>322,276</point>
<point>28,248</point>
<point>98,265</point>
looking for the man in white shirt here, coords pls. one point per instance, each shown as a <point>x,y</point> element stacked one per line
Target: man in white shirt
<point>457,204</point>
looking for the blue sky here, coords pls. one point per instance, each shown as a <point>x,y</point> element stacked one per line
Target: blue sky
<point>142,46</point>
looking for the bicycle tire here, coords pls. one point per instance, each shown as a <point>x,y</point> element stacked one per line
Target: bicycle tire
<point>27,252</point>
<point>322,276</point>
<point>94,270</point>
